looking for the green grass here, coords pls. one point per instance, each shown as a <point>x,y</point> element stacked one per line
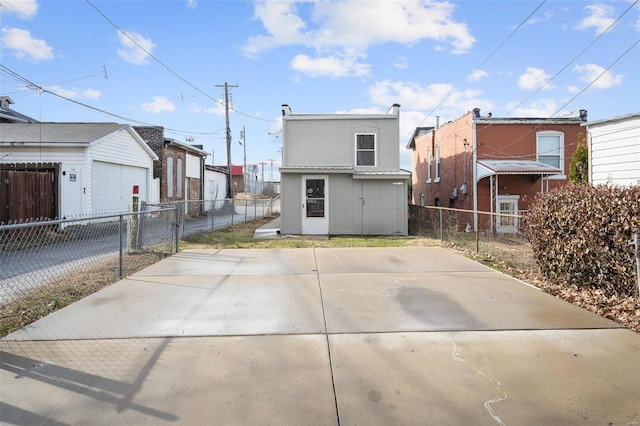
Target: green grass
<point>241,236</point>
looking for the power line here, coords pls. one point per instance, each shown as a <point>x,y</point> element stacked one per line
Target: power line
<point>165,66</point>
<point>484,61</point>
<point>575,58</point>
<point>29,84</point>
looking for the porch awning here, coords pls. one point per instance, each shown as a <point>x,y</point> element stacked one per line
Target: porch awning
<point>488,168</point>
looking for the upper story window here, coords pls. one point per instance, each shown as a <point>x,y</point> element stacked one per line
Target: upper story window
<point>179,174</point>
<point>438,163</point>
<point>169,177</point>
<point>365,149</point>
<point>429,165</point>
<point>550,148</point>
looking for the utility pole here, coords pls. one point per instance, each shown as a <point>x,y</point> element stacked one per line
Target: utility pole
<point>226,110</point>
<point>271,160</point>
<point>243,136</point>
<point>262,163</point>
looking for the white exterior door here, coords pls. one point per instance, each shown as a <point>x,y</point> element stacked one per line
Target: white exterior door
<point>73,192</point>
<point>507,205</point>
<point>315,205</point>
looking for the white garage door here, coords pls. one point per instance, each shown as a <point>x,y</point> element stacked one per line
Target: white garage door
<point>113,186</point>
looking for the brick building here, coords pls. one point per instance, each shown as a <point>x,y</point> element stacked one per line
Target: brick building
<point>180,167</point>
<point>492,164</point>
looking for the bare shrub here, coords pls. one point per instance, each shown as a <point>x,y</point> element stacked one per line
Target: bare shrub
<point>580,236</point>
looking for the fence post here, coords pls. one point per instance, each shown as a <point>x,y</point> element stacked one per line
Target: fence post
<point>177,226</point>
<point>477,239</point>
<point>440,218</point>
<point>121,250</point>
<point>245,210</point>
<point>233,209</point>
<point>255,208</point>
<point>636,243</point>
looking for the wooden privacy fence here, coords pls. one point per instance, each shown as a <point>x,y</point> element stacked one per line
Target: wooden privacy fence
<point>26,195</point>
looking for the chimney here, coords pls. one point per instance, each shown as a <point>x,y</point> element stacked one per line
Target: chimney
<point>286,110</point>
<point>476,112</point>
<point>583,115</point>
<point>395,109</point>
<point>437,121</point>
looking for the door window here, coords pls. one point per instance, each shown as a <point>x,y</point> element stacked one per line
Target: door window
<point>315,197</point>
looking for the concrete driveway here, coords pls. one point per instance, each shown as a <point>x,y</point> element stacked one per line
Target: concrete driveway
<point>362,336</point>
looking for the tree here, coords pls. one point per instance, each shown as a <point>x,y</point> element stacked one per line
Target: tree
<point>579,168</point>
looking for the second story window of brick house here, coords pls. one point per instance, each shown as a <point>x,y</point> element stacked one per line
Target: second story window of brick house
<point>169,177</point>
<point>438,163</point>
<point>550,148</point>
<point>429,165</point>
<point>179,178</point>
<point>365,149</point>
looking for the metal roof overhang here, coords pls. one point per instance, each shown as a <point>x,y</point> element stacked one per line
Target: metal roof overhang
<point>357,174</point>
<point>398,174</point>
<point>486,168</point>
<point>317,169</point>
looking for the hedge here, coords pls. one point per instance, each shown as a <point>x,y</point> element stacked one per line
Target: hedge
<point>580,235</point>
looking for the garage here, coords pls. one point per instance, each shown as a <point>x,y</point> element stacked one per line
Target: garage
<point>113,186</point>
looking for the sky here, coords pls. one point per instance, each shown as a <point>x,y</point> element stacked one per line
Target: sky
<point>165,63</point>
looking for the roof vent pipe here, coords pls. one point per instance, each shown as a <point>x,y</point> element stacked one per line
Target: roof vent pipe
<point>476,112</point>
<point>437,121</point>
<point>285,110</point>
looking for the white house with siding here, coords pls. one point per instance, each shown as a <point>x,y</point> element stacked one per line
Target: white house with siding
<point>95,167</point>
<point>614,150</point>
<point>340,174</point>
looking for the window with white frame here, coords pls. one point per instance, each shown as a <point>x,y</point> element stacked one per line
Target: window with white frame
<point>550,148</point>
<point>437,163</point>
<point>169,177</point>
<point>429,165</point>
<point>365,149</point>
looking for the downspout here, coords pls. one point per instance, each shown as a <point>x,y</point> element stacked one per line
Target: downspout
<point>474,147</point>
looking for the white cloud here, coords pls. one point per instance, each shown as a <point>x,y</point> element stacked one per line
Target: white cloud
<point>132,52</point>
<point>91,94</point>
<point>329,66</point>
<point>542,109</point>
<point>218,109</point>
<point>572,89</point>
<point>600,18</point>
<point>591,72</point>
<point>25,8</point>
<point>477,75</point>
<point>159,104</point>
<point>74,93</point>
<point>193,4</point>
<point>414,96</point>
<point>534,78</point>
<point>401,63</point>
<point>24,46</point>
<point>355,25</point>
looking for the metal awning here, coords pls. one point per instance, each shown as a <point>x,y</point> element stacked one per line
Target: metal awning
<point>488,168</point>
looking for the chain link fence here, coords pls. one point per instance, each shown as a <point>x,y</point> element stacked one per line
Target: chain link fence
<point>496,235</point>
<point>85,250</point>
<point>35,254</point>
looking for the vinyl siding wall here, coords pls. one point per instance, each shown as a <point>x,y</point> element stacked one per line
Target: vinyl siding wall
<point>615,152</point>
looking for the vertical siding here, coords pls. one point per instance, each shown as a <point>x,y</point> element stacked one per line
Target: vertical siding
<point>385,211</point>
<point>291,214</point>
<point>345,205</point>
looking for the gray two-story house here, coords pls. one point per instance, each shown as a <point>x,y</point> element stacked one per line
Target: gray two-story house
<point>341,174</point>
